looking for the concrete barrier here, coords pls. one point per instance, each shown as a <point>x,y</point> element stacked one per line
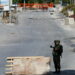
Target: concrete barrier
<point>28,65</point>
<point>71,21</point>
<point>19,9</point>
<point>66,21</point>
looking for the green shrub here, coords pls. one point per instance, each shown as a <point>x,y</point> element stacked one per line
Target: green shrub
<point>69,7</point>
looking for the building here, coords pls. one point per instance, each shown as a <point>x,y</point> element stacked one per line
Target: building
<point>5,2</point>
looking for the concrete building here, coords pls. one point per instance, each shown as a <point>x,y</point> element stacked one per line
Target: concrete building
<point>5,2</point>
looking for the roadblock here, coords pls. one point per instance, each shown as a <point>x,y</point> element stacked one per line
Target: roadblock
<point>27,65</point>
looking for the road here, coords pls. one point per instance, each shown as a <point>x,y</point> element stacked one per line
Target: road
<point>32,36</point>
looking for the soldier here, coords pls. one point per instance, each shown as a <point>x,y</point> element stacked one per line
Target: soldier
<point>57,53</point>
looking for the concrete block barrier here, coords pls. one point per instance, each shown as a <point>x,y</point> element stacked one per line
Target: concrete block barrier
<point>27,65</point>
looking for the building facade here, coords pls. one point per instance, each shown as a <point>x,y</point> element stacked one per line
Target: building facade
<point>5,2</point>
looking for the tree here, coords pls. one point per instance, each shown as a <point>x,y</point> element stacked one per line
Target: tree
<point>68,7</point>
<point>36,1</point>
<point>14,1</point>
<point>30,1</point>
<point>66,1</point>
<point>40,1</point>
<point>17,1</point>
<point>57,1</point>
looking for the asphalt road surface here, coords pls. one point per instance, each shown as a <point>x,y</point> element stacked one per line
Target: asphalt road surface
<point>32,36</point>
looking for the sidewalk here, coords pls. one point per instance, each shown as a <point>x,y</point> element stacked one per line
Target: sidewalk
<point>60,20</point>
<point>69,28</point>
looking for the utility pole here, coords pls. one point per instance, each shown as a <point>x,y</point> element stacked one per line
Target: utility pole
<point>10,18</point>
<point>24,4</point>
<point>71,1</point>
<point>60,2</point>
<point>0,2</point>
<point>74,2</point>
<point>0,5</point>
<point>16,5</point>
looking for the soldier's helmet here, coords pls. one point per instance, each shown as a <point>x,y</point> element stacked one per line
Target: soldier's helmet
<point>56,41</point>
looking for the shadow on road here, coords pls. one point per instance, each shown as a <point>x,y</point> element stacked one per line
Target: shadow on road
<point>64,72</point>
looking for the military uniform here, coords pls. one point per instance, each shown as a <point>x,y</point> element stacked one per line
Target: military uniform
<point>57,53</point>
